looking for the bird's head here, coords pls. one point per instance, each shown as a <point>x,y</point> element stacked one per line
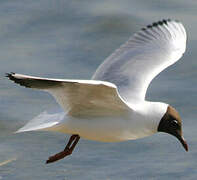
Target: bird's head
<point>171,123</point>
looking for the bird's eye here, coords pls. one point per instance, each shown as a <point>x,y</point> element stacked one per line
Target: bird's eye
<point>174,123</point>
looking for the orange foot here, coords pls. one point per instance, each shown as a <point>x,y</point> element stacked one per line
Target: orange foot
<point>59,156</point>
<point>67,151</point>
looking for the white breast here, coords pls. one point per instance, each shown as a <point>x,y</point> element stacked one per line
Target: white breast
<point>135,124</point>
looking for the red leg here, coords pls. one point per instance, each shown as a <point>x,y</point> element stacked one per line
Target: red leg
<point>67,151</point>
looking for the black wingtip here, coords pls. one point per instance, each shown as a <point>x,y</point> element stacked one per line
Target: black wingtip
<point>10,75</point>
<point>158,23</point>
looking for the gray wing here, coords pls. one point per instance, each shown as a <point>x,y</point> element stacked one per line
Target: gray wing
<point>133,66</point>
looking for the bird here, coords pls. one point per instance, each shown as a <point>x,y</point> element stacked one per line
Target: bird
<point>112,105</point>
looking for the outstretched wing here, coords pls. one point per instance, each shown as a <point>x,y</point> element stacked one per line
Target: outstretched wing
<point>78,97</point>
<point>133,66</point>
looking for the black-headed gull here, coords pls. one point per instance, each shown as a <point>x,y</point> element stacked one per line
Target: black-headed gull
<point>112,107</point>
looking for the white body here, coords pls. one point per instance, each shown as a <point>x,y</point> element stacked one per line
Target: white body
<point>114,128</point>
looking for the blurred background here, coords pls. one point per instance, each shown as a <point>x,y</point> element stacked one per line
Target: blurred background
<point>69,39</point>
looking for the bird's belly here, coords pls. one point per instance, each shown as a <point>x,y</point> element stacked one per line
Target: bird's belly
<point>104,129</point>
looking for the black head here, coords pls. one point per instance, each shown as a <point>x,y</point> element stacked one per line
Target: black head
<point>171,123</point>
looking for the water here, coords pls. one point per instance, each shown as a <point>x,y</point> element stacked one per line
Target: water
<point>69,39</point>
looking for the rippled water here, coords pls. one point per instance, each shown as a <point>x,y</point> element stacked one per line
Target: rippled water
<point>69,39</point>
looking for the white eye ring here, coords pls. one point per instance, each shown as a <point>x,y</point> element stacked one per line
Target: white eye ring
<point>174,123</point>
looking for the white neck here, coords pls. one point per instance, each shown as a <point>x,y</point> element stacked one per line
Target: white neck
<point>148,115</point>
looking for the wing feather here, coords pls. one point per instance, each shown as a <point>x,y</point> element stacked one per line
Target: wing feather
<point>133,66</point>
<point>78,97</point>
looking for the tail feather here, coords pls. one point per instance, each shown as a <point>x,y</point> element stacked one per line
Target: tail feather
<point>45,120</point>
